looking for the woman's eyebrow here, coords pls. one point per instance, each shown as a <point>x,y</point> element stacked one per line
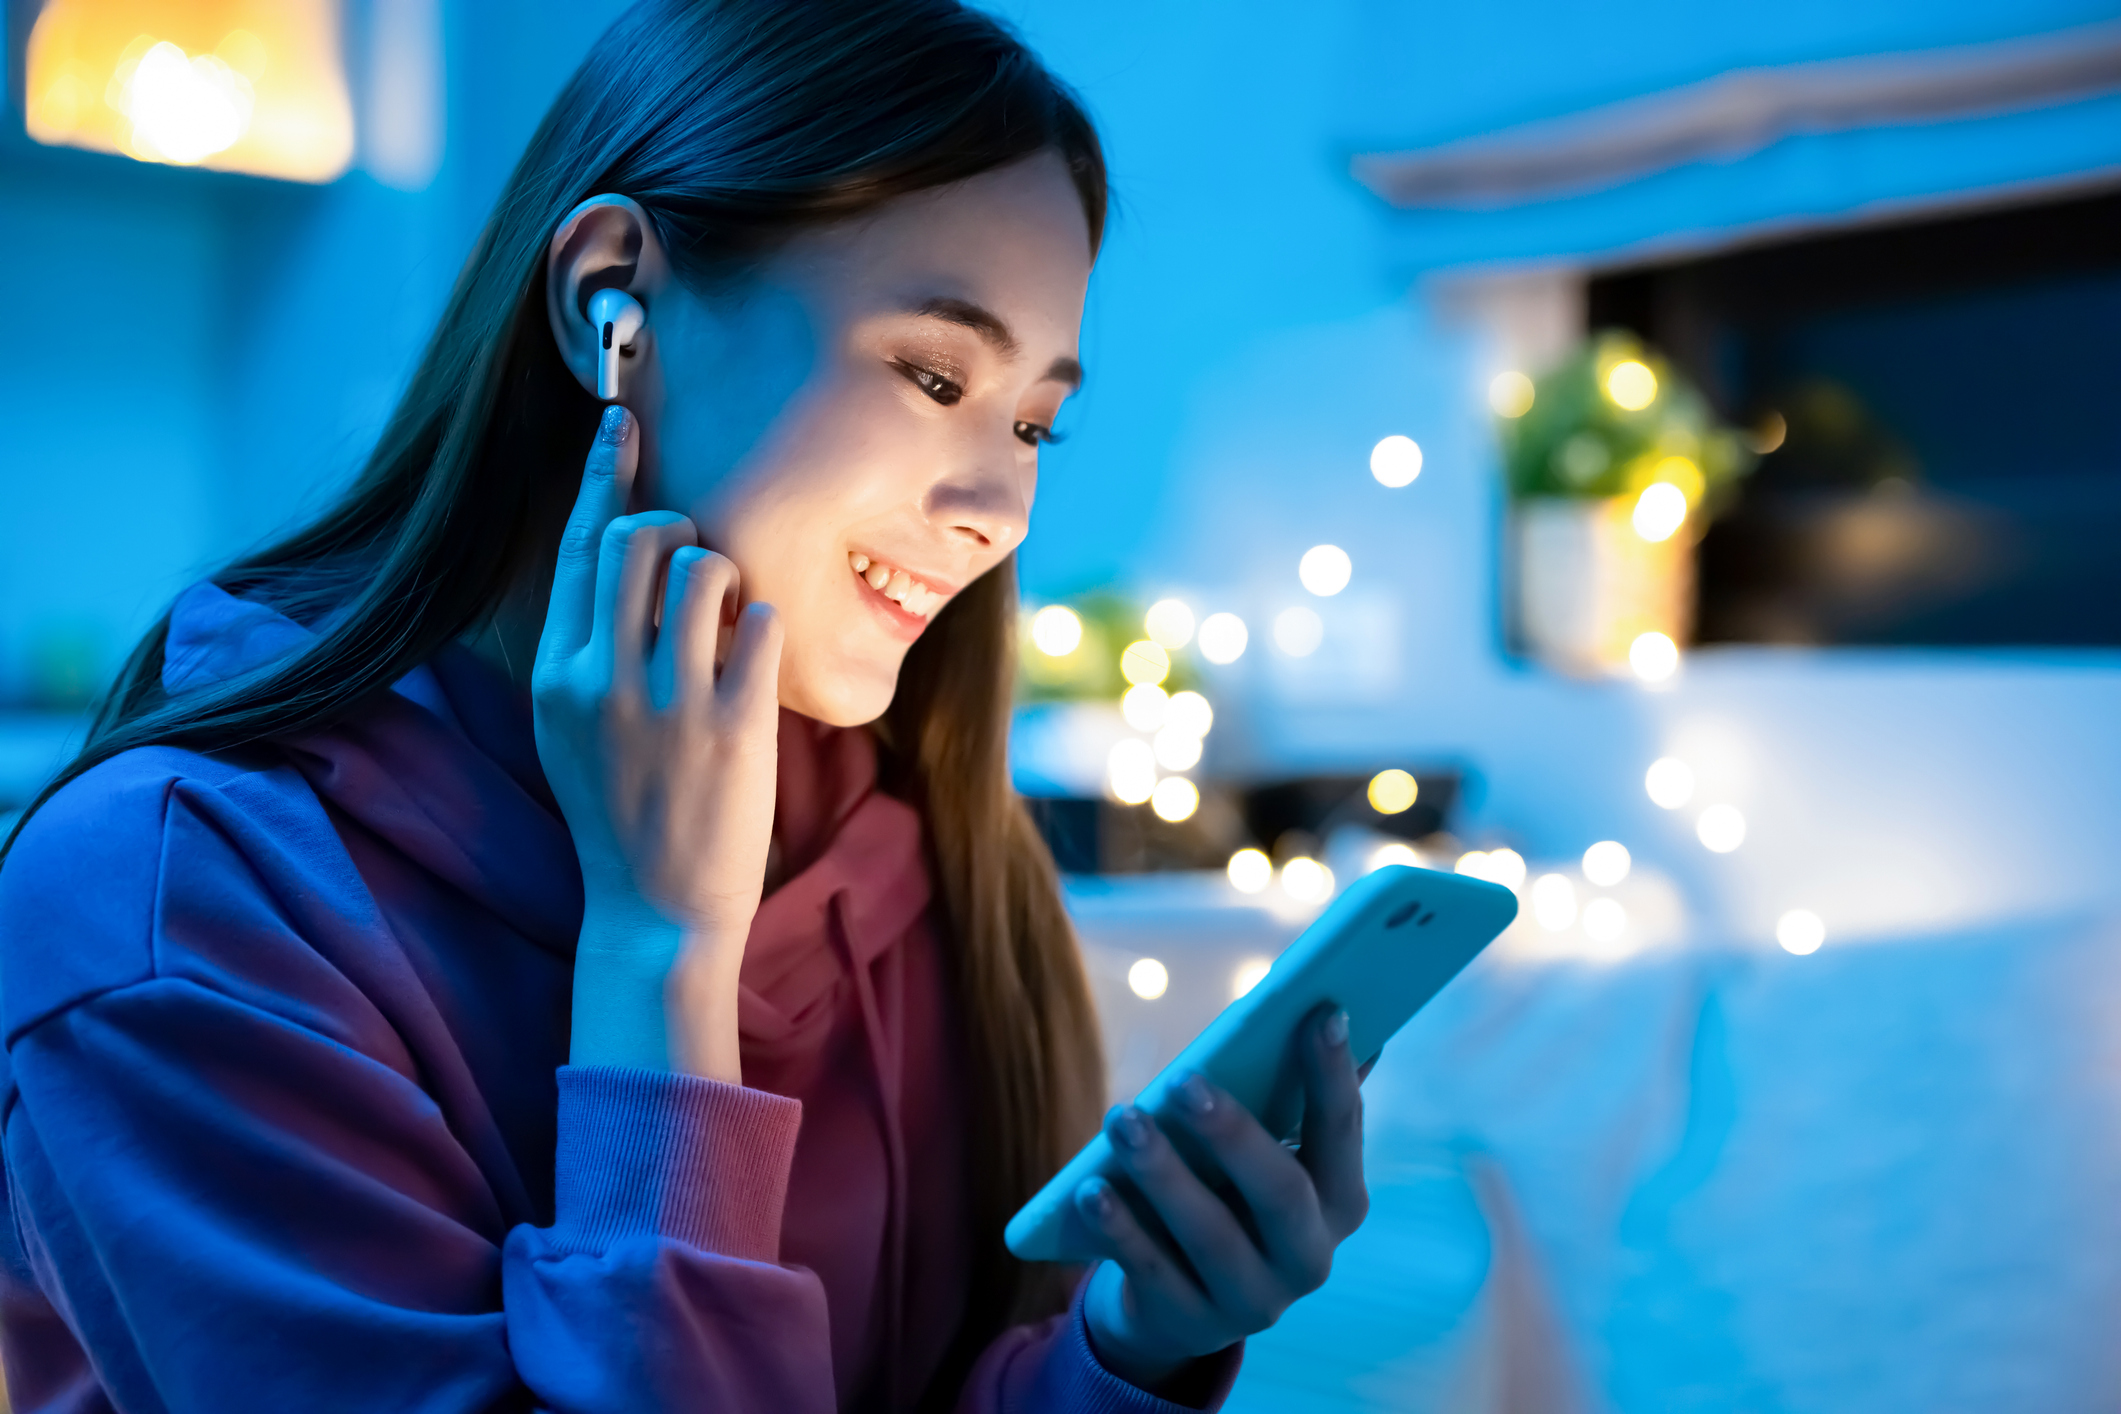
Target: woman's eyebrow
<point>995,332</point>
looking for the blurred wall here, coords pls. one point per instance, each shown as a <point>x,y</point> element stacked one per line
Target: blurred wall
<point>1257,322</point>
<point>235,343</point>
<point>1260,321</point>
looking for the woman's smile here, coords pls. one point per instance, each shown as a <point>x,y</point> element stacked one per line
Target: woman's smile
<point>906,601</point>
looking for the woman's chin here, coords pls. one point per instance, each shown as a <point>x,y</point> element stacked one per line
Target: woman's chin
<point>840,695</point>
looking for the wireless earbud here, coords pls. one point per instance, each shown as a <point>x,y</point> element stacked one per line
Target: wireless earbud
<point>618,317</point>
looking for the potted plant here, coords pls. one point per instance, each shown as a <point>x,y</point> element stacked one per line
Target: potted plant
<point>1615,465</point>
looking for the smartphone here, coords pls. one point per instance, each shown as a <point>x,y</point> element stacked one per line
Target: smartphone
<point>1384,947</point>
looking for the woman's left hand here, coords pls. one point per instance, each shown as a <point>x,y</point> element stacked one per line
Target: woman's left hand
<point>1229,1267</point>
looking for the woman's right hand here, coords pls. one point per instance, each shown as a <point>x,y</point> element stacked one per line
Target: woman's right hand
<point>659,745</point>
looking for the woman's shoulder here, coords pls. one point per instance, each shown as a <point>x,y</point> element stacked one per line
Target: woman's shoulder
<point>152,842</point>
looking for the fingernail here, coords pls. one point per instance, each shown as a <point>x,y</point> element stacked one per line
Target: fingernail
<point>612,428</point>
<point>1336,1028</point>
<point>1130,1128</point>
<point>1095,1198</point>
<point>1194,1094</point>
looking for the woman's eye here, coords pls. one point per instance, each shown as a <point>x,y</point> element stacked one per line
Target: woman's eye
<point>932,383</point>
<point>1033,433</point>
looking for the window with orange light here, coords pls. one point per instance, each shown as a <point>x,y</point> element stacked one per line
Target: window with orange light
<point>254,86</point>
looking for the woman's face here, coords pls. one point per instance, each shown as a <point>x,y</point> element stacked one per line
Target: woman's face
<point>858,426</point>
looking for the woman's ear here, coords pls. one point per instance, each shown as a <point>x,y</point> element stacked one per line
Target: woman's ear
<point>606,243</point>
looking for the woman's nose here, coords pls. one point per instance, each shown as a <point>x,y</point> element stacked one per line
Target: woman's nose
<point>987,507</point>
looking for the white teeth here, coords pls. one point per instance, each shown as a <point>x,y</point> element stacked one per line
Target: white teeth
<point>896,585</point>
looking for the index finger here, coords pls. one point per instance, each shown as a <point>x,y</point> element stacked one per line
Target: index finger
<point>607,478</point>
<point>1332,1126</point>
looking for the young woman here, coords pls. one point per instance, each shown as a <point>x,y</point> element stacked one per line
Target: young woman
<point>559,935</point>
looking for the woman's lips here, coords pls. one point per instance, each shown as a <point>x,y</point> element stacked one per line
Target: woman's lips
<point>905,602</point>
<point>909,592</point>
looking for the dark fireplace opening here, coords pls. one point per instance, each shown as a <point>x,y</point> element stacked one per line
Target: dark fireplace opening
<point>1943,403</point>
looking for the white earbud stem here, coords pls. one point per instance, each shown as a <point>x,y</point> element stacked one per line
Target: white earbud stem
<point>617,317</point>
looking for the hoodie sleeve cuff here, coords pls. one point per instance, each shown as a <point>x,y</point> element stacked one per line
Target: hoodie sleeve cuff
<point>1079,1382</point>
<point>648,1152</point>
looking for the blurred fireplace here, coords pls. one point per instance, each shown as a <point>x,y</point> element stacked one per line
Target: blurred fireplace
<point>1944,401</point>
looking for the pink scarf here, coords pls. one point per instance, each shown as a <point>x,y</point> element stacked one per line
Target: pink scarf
<point>848,1006</point>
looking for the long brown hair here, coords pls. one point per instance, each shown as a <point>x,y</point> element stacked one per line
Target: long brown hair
<point>735,123</point>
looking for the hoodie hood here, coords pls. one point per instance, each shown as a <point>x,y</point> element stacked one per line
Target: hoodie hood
<point>444,767</point>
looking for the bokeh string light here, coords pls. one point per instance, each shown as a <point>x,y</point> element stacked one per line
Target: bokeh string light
<point>1653,656</point>
<point>1669,782</point>
<point>1631,385</point>
<point>1174,799</point>
<point>1146,707</point>
<point>1223,638</point>
<point>1510,394</point>
<point>1720,829</point>
<point>1250,871</point>
<point>1306,880</point>
<point>1325,570</point>
<point>1169,623</point>
<point>1298,631</point>
<point>1393,792</point>
<point>1394,852</point>
<point>1056,631</point>
<point>1606,863</point>
<point>1800,932</point>
<point>1395,461</point>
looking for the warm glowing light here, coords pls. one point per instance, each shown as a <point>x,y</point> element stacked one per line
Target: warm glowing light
<point>1769,435</point>
<point>1169,622</point>
<point>1145,707</point>
<point>1130,771</point>
<point>184,109</point>
<point>1306,880</point>
<point>1223,638</point>
<point>1395,461</point>
<point>1393,791</point>
<point>1606,863</point>
<point>1056,631</point>
<point>229,84</point>
<point>1473,864</point>
<point>1190,713</point>
<point>1143,662</point>
<point>1683,472</point>
<point>1554,902</point>
<point>1298,631</point>
<point>1148,979</point>
<point>1250,871</point>
<point>1800,931</point>
<point>1653,656</point>
<point>1177,750</point>
<point>1510,394</point>
<point>1604,920</point>
<point>1394,853</point>
<point>1631,385</point>
<point>1325,570</point>
<point>1670,782</point>
<point>1659,511</point>
<point>1721,828</point>
<point>1174,799</point>
<point>1250,973</point>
